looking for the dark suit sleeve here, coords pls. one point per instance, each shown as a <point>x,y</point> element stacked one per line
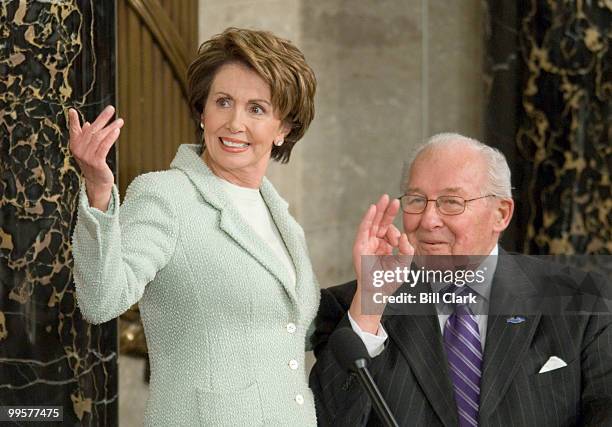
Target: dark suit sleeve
<point>596,405</point>
<point>339,397</point>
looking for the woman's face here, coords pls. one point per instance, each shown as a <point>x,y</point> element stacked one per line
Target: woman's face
<point>240,125</point>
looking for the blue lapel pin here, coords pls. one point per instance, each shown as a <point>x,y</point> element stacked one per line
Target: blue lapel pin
<point>515,320</point>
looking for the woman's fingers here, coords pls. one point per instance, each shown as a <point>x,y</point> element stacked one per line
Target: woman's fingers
<point>95,138</point>
<point>86,133</point>
<point>107,143</point>
<point>76,133</point>
<point>103,118</point>
<point>74,125</point>
<point>96,131</point>
<point>101,134</point>
<point>90,145</point>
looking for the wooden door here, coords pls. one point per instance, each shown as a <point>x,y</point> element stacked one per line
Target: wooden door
<point>156,41</point>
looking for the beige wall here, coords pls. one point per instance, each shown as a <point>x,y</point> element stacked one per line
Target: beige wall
<point>390,73</point>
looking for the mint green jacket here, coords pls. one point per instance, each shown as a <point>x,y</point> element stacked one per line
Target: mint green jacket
<point>225,327</point>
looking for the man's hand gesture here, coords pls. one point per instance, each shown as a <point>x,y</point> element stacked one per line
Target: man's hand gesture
<point>376,235</point>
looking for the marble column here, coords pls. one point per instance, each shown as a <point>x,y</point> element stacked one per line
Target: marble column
<point>549,110</point>
<point>55,55</point>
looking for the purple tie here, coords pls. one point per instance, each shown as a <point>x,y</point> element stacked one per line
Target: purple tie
<point>464,352</point>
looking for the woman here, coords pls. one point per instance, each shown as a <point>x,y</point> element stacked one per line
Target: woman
<point>208,247</point>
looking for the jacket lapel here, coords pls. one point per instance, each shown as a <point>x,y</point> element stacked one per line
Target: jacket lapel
<point>512,294</point>
<point>419,339</point>
<point>290,231</point>
<point>230,221</point>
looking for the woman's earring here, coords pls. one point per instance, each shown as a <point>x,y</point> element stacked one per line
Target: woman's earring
<point>202,125</point>
<point>279,142</point>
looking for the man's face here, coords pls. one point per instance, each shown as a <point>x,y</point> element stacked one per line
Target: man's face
<point>454,170</point>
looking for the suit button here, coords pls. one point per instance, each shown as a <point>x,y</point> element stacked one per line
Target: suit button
<point>291,328</point>
<point>293,364</point>
<point>299,399</point>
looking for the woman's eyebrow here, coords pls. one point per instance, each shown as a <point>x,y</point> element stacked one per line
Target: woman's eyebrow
<point>261,101</point>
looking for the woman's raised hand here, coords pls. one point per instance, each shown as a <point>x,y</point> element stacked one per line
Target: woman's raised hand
<point>89,145</point>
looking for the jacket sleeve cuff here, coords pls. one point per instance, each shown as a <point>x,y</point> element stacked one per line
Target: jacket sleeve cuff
<point>86,208</point>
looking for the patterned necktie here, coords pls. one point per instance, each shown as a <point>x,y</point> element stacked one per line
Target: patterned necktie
<point>464,353</point>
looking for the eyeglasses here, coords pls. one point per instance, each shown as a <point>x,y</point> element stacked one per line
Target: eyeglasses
<point>447,205</point>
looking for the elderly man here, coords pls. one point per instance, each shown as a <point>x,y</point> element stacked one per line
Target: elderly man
<point>489,363</point>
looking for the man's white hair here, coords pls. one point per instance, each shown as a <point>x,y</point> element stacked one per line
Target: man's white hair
<point>498,171</point>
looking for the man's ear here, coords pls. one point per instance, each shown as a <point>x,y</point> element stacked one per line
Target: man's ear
<point>503,214</point>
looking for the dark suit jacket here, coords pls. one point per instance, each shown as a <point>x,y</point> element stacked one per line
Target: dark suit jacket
<point>412,370</point>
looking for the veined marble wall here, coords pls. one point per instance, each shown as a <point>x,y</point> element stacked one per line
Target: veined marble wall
<point>550,108</point>
<point>55,55</point>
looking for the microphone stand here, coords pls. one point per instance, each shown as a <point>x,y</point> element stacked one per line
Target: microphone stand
<point>383,411</point>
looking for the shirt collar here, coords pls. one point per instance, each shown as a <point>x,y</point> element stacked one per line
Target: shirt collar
<point>488,267</point>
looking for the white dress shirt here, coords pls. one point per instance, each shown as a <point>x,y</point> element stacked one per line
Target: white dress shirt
<point>253,209</point>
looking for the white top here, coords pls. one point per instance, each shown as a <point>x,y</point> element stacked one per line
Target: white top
<point>253,209</point>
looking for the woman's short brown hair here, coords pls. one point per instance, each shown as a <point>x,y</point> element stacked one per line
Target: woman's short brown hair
<point>276,60</point>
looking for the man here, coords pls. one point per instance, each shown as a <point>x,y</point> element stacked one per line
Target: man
<point>496,362</point>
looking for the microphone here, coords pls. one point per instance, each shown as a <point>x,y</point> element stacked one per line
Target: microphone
<point>352,355</point>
